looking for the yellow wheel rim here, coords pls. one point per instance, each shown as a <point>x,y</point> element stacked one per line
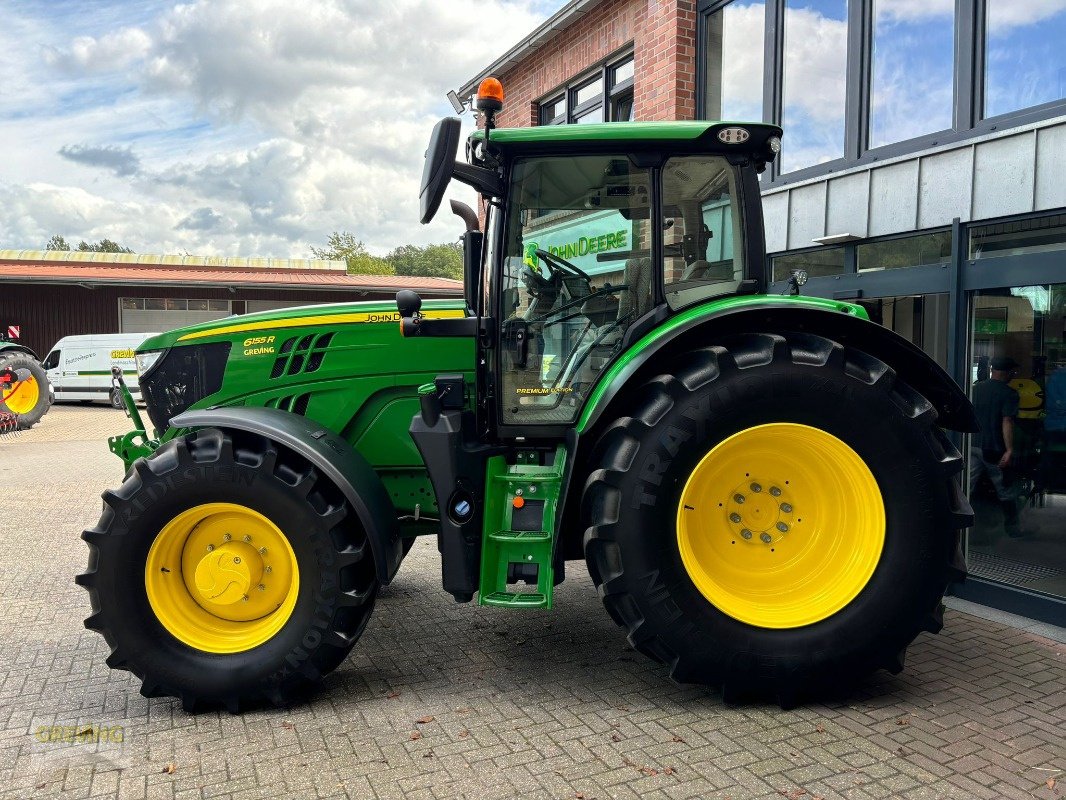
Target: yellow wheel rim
<point>221,578</point>
<point>23,396</point>
<point>781,525</point>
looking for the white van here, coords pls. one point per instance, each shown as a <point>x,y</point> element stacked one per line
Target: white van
<point>79,367</point>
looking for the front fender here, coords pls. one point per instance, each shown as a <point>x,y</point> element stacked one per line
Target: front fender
<point>331,455</point>
<point>841,322</point>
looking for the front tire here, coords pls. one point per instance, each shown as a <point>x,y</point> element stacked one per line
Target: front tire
<point>28,399</point>
<point>776,515</point>
<point>226,571</point>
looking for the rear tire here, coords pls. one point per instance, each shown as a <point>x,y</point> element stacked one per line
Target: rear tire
<point>645,461</point>
<point>330,601</point>
<point>28,400</point>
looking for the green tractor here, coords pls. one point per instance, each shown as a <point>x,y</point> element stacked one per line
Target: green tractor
<point>760,485</point>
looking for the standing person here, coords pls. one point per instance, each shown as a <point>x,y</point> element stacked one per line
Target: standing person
<point>992,450</point>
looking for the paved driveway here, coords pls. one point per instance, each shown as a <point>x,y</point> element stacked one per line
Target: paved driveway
<point>439,700</point>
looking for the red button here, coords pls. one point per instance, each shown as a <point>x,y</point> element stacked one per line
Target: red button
<point>518,502</point>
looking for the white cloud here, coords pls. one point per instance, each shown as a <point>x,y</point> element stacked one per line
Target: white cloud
<point>1003,16</point>
<point>250,126</point>
<point>109,52</point>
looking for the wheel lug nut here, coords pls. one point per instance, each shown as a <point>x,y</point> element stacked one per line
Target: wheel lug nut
<point>245,598</point>
<point>734,517</point>
<point>268,568</point>
<point>262,551</point>
<point>236,559</point>
<point>775,491</point>
<point>738,498</point>
<point>767,538</point>
<point>746,533</point>
<point>262,587</point>
<point>786,507</point>
<point>782,527</point>
<point>226,537</point>
<point>247,538</point>
<point>210,547</point>
<point>755,487</point>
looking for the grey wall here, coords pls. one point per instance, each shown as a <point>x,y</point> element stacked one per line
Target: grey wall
<point>1017,171</point>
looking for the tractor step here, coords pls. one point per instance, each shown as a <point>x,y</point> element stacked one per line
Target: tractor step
<point>521,501</point>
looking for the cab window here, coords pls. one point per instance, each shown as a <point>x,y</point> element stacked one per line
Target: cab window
<point>577,273</point>
<point>703,243</point>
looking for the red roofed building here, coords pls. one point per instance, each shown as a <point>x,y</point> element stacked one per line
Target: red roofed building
<point>52,294</point>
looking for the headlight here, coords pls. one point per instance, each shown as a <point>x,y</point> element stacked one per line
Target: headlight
<point>145,361</point>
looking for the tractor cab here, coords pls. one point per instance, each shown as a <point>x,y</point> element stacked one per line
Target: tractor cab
<point>593,236</point>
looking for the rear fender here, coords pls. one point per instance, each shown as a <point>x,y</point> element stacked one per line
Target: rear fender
<point>334,457</point>
<point>841,324</point>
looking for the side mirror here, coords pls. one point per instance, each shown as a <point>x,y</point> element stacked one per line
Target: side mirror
<point>440,162</point>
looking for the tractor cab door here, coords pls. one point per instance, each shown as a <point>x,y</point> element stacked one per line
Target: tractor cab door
<point>576,274</point>
<point>591,244</point>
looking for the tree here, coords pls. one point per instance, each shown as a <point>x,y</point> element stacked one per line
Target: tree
<point>431,261</point>
<point>103,246</point>
<point>343,246</point>
<point>58,242</point>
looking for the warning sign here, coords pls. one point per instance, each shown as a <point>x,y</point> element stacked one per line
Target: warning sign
<point>13,331</point>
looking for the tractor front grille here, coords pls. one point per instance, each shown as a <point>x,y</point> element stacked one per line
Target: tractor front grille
<point>184,375</point>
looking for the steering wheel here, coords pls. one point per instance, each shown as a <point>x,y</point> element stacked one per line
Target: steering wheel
<point>560,264</point>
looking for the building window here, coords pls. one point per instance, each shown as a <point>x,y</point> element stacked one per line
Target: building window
<point>904,251</point>
<point>847,77</point>
<point>819,263</point>
<point>734,61</point>
<point>815,72</point>
<point>1025,64</point>
<point>912,79</point>
<point>603,95</point>
<point>1039,235</point>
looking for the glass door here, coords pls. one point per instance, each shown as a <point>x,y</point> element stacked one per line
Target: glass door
<point>1017,464</point>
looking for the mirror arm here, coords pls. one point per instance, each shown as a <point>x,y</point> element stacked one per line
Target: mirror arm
<point>485,181</point>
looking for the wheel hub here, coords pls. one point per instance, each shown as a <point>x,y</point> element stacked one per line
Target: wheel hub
<point>221,577</point>
<point>759,511</point>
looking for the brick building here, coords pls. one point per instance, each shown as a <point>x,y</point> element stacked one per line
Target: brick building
<point>921,175</point>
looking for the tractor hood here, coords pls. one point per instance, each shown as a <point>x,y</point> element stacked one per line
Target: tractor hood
<point>311,360</point>
<point>338,313</point>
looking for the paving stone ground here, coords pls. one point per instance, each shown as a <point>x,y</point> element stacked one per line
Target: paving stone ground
<point>530,705</point>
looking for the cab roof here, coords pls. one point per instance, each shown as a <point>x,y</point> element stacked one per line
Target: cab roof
<point>684,136</point>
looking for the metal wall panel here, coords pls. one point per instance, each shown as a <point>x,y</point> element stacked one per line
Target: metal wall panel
<point>775,221</point>
<point>944,187</point>
<point>1051,168</point>
<point>1003,176</point>
<point>848,204</point>
<point>806,215</point>
<point>894,198</point>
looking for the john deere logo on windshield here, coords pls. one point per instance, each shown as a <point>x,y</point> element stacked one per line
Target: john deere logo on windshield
<point>592,244</point>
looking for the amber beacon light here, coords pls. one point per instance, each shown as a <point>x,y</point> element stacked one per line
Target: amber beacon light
<point>490,95</point>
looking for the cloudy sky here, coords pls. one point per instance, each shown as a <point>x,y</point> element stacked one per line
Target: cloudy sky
<point>232,127</point>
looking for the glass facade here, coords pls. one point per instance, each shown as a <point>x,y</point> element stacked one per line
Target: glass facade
<point>904,251</point>
<point>1025,64</point>
<point>853,81</point>
<point>913,68</point>
<point>734,61</point>
<point>817,263</point>
<point>815,66</point>
<point>1017,464</point>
